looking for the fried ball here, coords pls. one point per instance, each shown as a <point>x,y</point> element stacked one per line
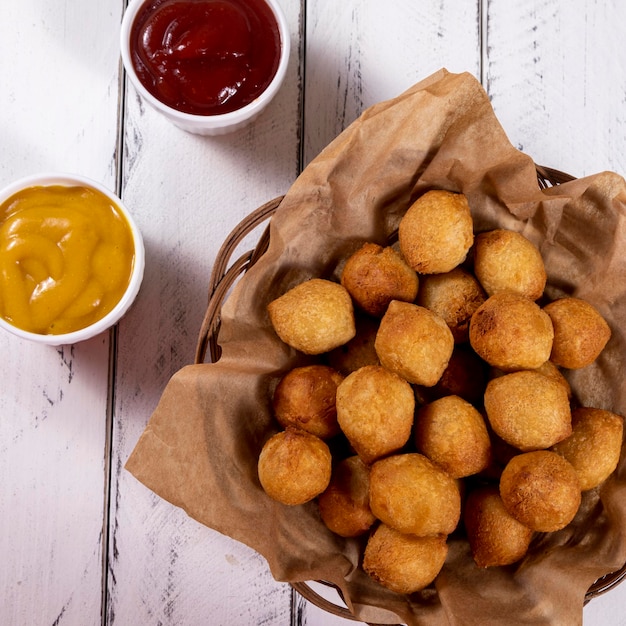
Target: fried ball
<point>465,376</point>
<point>305,398</point>
<point>403,563</point>
<point>294,466</point>
<point>360,350</point>
<point>548,369</point>
<point>541,490</point>
<point>313,317</point>
<point>552,371</point>
<point>436,232</point>
<point>453,434</point>
<point>344,506</point>
<point>511,332</point>
<point>580,332</point>
<point>495,537</point>
<point>504,260</point>
<point>414,342</point>
<point>413,495</point>
<point>528,410</point>
<point>594,446</point>
<point>374,276</point>
<point>375,410</point>
<point>454,296</point>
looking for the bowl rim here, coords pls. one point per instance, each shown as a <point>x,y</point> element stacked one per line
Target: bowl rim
<point>48,179</point>
<point>220,120</point>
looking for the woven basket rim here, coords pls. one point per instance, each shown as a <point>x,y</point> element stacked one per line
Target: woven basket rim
<point>225,274</point>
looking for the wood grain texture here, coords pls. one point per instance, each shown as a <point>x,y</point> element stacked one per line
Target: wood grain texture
<point>51,510</point>
<point>59,104</point>
<point>556,74</point>
<point>359,53</point>
<point>187,193</point>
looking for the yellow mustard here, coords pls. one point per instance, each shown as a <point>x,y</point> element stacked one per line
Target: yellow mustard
<point>66,258</point>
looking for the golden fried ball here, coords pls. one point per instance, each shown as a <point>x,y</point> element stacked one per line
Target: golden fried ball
<point>314,316</point>
<point>454,296</point>
<point>403,563</point>
<point>528,410</point>
<point>375,410</point>
<point>541,490</point>
<point>453,434</point>
<point>594,446</point>
<point>360,350</point>
<point>294,466</point>
<point>305,398</point>
<point>413,495</point>
<point>504,260</point>
<point>553,372</point>
<point>548,369</point>
<point>511,332</point>
<point>495,537</point>
<point>580,332</point>
<point>374,276</point>
<point>344,506</point>
<point>414,342</point>
<point>436,232</point>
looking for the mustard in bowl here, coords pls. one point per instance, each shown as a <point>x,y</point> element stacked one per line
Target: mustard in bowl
<point>71,259</point>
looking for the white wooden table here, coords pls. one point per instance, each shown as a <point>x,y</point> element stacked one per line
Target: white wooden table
<point>81,541</point>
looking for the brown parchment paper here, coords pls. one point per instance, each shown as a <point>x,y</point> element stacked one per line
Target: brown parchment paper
<point>200,448</point>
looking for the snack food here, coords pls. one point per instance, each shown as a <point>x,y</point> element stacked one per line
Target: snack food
<point>344,505</point>
<point>494,535</point>
<point>541,490</point>
<point>436,232</point>
<point>414,342</point>
<point>594,446</point>
<point>294,466</point>
<point>528,410</point>
<point>411,494</point>
<point>375,411</point>
<point>454,296</point>
<point>552,371</point>
<point>314,316</point>
<point>462,348</point>
<point>453,434</point>
<point>374,276</point>
<point>403,563</point>
<point>504,260</point>
<point>580,332</point>
<point>511,332</point>
<point>305,398</point>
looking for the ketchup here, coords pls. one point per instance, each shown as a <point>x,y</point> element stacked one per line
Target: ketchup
<point>205,57</point>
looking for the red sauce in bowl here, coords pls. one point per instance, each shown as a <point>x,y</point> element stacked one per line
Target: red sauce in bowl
<point>205,57</point>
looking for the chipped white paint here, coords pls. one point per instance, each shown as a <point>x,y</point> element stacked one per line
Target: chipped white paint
<point>81,541</point>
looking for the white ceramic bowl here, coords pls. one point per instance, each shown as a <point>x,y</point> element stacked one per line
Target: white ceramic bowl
<point>136,278</point>
<point>207,124</point>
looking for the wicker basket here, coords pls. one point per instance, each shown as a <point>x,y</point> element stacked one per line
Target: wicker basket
<point>224,275</point>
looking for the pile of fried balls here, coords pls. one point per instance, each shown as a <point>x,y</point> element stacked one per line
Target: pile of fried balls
<point>439,403</point>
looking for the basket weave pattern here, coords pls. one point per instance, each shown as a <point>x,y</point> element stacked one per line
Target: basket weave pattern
<point>225,273</point>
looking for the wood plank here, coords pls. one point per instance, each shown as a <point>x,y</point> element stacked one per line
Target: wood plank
<point>556,73</point>
<point>59,77</point>
<point>360,53</point>
<point>187,192</point>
